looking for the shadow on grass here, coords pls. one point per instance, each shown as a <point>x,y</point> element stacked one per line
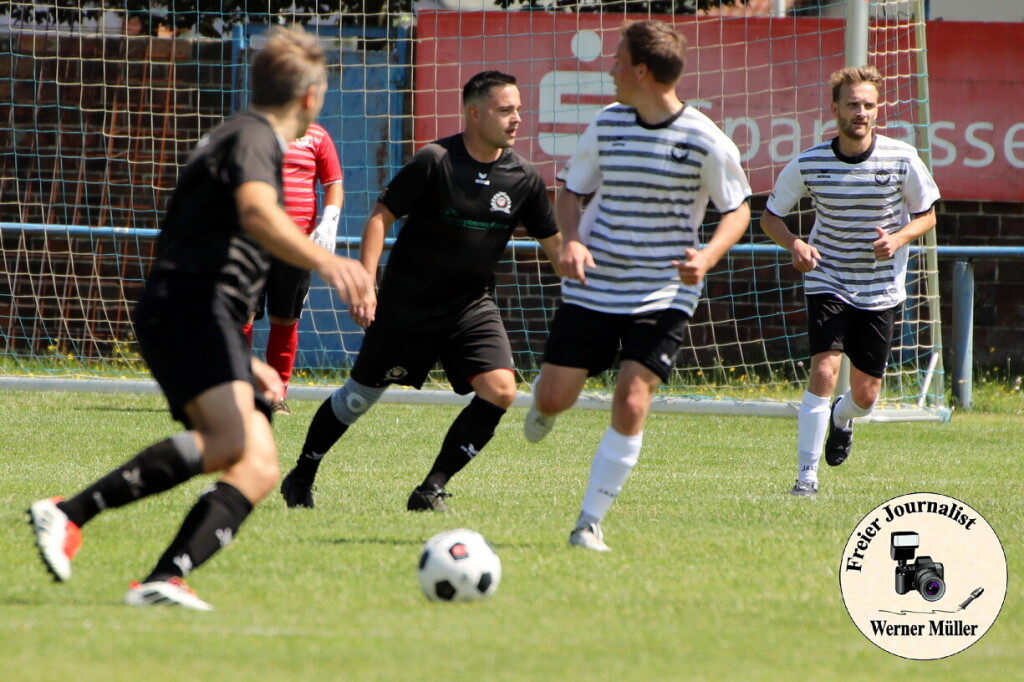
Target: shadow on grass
<point>417,543</point>
<point>374,541</point>
<point>118,408</point>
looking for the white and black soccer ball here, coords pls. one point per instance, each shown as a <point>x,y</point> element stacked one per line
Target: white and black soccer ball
<point>459,565</point>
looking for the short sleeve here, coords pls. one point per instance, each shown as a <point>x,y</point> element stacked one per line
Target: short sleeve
<point>723,176</point>
<point>919,190</point>
<point>403,192</point>
<point>538,216</point>
<point>789,189</point>
<point>255,156</point>
<point>582,173</point>
<point>328,166</point>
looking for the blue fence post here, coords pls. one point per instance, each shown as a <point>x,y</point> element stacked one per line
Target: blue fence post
<point>239,74</point>
<point>963,332</point>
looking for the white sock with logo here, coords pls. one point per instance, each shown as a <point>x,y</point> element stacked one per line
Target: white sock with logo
<point>847,409</point>
<point>811,428</point>
<point>615,457</point>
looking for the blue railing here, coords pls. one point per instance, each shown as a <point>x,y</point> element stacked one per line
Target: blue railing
<point>963,281</point>
<point>759,250</point>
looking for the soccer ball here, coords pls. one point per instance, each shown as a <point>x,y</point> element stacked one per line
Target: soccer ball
<point>459,565</point>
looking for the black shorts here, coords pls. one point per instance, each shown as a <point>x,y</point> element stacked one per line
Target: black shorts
<point>191,341</point>
<point>285,292</point>
<point>865,336</point>
<point>476,342</point>
<point>589,339</point>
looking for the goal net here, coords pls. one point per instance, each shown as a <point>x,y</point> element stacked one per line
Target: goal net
<point>102,107</point>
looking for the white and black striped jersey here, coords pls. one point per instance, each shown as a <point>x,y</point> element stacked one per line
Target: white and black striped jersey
<point>651,186</point>
<point>883,187</point>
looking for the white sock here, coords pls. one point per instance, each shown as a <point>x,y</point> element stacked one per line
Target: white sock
<point>847,409</point>
<point>615,457</point>
<point>811,428</point>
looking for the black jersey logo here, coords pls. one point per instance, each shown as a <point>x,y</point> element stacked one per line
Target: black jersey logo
<point>501,202</point>
<point>481,179</point>
<point>882,177</point>
<point>680,152</point>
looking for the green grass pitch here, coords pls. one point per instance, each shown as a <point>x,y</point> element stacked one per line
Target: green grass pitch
<point>716,573</point>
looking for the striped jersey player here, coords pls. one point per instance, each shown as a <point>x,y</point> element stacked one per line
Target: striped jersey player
<point>854,197</point>
<point>645,168</point>
<point>872,197</point>
<point>651,185</point>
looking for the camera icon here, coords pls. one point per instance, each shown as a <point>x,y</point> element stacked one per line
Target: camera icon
<point>924,575</point>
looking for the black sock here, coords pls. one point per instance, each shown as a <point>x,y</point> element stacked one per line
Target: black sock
<point>211,525</point>
<point>159,467</point>
<point>466,437</point>
<point>324,431</point>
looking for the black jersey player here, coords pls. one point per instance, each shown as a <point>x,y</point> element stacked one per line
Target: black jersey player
<point>224,220</point>
<point>462,196</point>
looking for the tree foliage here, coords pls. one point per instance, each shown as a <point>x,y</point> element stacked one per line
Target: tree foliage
<point>627,6</point>
<point>215,17</point>
<point>205,17</point>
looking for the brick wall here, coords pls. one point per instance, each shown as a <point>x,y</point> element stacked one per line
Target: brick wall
<point>97,127</point>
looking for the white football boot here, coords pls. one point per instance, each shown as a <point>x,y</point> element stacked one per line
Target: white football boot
<point>589,537</point>
<point>173,592</point>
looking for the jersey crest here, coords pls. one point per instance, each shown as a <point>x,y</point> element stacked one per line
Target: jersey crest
<point>501,202</point>
<point>680,152</point>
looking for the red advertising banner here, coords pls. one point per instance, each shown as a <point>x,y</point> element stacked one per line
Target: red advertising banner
<point>758,78</point>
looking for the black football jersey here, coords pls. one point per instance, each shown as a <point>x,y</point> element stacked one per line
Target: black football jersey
<point>460,214</point>
<point>201,235</point>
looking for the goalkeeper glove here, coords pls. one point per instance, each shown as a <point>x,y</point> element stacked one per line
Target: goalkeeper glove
<point>326,233</point>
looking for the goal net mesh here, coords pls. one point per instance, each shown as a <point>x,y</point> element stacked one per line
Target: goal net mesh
<point>102,107</point>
